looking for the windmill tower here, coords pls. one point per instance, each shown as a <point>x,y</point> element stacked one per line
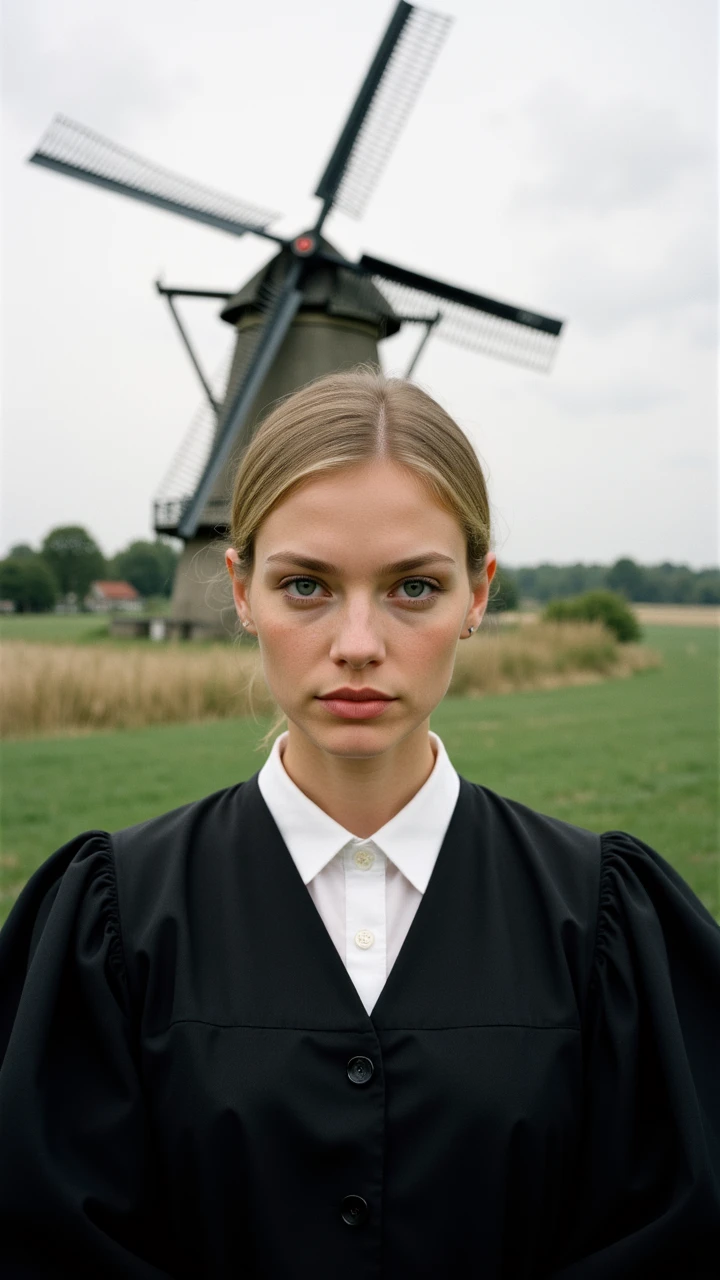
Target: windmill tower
<point>310,310</point>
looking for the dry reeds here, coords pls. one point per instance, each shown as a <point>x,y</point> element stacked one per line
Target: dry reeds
<point>71,688</point>
<point>55,688</point>
<point>545,655</point>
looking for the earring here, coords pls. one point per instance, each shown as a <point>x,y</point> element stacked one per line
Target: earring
<point>470,630</point>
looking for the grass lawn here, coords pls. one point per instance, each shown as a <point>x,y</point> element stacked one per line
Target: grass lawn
<point>639,755</point>
<point>55,628</point>
<point>69,628</point>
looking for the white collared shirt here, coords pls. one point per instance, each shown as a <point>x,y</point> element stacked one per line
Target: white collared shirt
<point>366,891</point>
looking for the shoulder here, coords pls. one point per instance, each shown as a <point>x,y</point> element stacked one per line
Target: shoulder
<point>184,832</point>
<point>167,860</point>
<point>538,835</point>
<point>614,880</point>
<point>177,828</point>
<point>546,871</point>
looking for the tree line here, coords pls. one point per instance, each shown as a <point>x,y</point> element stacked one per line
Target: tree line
<point>664,583</point>
<point>69,560</point>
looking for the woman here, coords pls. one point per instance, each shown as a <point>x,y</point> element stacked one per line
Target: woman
<point>358,1016</point>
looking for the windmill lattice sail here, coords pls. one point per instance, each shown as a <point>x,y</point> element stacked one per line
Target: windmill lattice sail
<point>472,328</point>
<point>401,66</point>
<point>79,152</point>
<point>180,480</point>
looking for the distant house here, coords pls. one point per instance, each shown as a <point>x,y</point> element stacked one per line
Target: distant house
<point>103,596</point>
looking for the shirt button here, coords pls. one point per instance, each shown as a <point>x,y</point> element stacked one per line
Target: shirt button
<point>354,1210</point>
<point>363,858</point>
<point>360,1070</point>
<point>364,938</point>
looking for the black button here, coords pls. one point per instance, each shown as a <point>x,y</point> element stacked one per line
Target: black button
<point>359,1070</point>
<point>354,1211</point>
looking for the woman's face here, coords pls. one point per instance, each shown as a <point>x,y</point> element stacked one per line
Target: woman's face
<point>360,584</point>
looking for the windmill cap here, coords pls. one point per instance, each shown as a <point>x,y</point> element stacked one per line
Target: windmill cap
<point>326,287</point>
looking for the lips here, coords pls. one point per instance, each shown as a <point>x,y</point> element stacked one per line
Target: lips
<point>348,694</point>
<point>356,704</point>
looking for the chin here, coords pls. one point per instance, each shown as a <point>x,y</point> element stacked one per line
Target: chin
<point>355,739</point>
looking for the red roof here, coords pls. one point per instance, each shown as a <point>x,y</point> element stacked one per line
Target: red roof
<point>116,590</point>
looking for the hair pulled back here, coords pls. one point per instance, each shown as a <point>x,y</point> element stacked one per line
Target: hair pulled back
<point>355,417</point>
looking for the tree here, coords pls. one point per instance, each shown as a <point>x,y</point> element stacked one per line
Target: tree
<point>707,587</point>
<point>28,582</point>
<point>628,578</point>
<point>75,559</point>
<point>503,592</point>
<point>573,579</point>
<point>20,551</point>
<point>548,581</point>
<point>148,566</point>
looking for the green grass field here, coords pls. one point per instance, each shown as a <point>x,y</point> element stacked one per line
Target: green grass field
<point>69,628</point>
<point>639,755</point>
<point>55,628</point>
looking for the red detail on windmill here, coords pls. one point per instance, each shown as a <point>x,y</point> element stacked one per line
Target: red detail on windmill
<point>304,245</point>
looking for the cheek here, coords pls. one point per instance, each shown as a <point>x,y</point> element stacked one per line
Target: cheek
<point>286,649</point>
<point>430,647</point>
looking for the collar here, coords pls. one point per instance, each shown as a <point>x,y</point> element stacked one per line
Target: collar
<point>411,840</point>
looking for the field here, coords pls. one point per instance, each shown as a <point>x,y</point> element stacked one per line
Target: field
<point>67,628</point>
<point>54,628</point>
<point>637,754</point>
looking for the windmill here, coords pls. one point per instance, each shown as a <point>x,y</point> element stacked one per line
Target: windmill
<point>307,312</point>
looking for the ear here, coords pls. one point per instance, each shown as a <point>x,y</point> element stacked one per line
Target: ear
<point>240,591</point>
<point>480,593</point>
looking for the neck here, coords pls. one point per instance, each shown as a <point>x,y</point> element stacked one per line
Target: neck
<point>361,794</point>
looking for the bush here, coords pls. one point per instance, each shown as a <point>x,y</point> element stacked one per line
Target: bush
<point>597,606</point>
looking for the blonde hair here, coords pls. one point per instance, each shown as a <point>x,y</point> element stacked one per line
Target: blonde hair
<point>353,417</point>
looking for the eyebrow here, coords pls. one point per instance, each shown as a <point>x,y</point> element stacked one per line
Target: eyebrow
<point>400,566</point>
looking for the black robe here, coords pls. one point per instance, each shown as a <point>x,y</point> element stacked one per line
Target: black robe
<point>538,1093</point>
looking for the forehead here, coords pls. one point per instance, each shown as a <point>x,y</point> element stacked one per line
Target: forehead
<point>377,510</point>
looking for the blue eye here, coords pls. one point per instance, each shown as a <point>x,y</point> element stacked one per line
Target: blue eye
<point>415,588</point>
<point>305,586</point>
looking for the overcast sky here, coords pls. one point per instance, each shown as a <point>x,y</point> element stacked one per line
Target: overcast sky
<point>562,156</point>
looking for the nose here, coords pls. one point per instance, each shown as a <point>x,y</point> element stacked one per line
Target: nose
<point>357,639</point>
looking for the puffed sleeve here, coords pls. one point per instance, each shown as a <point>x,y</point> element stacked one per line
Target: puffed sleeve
<point>75,1174</point>
<point>647,1198</point>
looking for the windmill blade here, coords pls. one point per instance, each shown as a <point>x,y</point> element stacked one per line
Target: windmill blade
<point>271,335</point>
<point>398,71</point>
<point>180,480</point>
<point>467,319</point>
<point>79,152</point>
